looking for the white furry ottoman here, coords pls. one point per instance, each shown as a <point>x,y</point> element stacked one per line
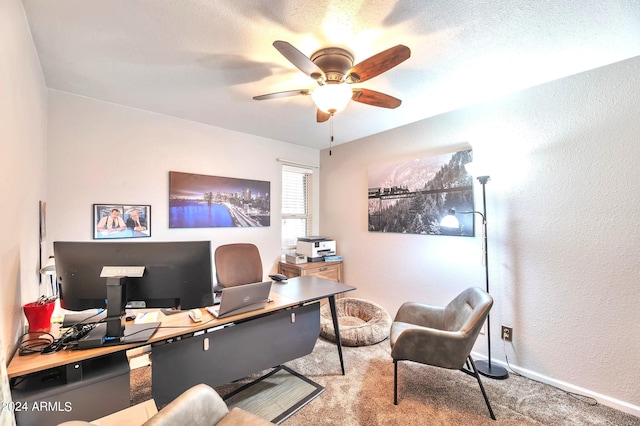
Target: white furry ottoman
<point>361,322</point>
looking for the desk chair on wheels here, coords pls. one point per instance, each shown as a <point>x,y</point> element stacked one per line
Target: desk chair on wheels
<point>237,264</point>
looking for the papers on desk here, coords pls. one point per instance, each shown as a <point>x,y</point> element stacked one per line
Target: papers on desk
<point>146,317</point>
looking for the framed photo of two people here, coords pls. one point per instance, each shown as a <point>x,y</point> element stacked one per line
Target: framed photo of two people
<point>121,221</point>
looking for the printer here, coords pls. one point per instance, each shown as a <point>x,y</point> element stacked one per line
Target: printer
<point>315,248</point>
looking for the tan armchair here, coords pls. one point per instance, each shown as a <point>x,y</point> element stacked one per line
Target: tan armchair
<point>238,264</point>
<point>441,336</point>
<point>197,406</point>
<point>202,406</point>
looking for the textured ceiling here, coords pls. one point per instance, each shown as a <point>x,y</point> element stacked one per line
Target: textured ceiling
<point>205,60</point>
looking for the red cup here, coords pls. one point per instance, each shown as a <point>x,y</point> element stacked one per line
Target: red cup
<point>39,315</point>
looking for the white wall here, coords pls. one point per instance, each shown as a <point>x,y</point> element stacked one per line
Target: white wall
<point>23,123</point>
<point>562,213</point>
<point>22,171</point>
<point>101,153</point>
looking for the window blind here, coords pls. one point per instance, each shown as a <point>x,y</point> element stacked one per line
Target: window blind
<point>296,205</point>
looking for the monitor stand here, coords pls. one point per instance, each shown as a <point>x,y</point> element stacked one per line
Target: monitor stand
<point>114,331</point>
<point>133,333</point>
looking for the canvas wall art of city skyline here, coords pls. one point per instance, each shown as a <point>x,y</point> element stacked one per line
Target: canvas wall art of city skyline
<point>202,201</point>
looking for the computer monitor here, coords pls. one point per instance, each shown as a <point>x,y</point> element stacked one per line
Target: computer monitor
<point>178,274</point>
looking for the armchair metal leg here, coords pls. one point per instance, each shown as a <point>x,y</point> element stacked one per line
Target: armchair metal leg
<point>470,370</point>
<point>395,382</point>
<point>484,394</point>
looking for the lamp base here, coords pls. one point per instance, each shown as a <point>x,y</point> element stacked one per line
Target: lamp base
<point>493,372</point>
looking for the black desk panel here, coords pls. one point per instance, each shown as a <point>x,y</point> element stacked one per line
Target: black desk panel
<point>233,352</point>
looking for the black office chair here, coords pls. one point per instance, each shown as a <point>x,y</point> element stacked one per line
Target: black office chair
<point>237,264</point>
<point>441,336</point>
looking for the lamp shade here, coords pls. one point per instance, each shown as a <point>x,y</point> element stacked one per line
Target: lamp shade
<point>450,221</point>
<point>477,169</point>
<point>49,267</point>
<point>331,98</point>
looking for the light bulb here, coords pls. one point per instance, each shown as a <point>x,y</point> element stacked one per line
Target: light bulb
<point>332,98</point>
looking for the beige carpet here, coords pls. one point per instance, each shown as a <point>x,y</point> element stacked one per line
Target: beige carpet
<point>427,395</point>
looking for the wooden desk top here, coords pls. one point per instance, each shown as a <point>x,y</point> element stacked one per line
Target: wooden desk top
<point>296,291</point>
<point>172,326</point>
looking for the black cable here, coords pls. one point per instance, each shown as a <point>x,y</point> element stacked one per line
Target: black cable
<point>582,398</point>
<point>84,321</point>
<point>35,344</point>
<point>52,344</point>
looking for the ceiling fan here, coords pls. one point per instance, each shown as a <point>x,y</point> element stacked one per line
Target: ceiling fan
<point>332,68</point>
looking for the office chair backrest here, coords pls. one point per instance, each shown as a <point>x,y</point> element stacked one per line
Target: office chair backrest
<point>238,264</point>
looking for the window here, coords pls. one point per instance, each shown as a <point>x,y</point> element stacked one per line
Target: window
<point>296,205</point>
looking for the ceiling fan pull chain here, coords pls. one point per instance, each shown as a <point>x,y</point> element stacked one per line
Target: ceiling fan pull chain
<point>331,130</point>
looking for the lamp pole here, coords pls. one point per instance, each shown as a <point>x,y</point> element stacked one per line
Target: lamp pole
<point>486,368</point>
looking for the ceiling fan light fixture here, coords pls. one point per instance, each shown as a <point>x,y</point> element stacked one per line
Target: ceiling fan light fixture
<point>332,98</point>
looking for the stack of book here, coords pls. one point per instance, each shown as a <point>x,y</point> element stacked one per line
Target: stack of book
<point>334,258</point>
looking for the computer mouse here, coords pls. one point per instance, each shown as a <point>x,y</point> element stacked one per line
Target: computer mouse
<point>195,315</point>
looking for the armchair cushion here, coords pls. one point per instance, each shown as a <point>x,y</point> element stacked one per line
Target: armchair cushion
<point>428,345</point>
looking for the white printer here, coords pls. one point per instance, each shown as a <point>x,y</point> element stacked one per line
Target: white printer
<point>315,248</point>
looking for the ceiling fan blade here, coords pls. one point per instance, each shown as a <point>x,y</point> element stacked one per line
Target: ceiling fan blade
<point>298,59</point>
<point>322,116</point>
<point>377,64</point>
<point>371,97</point>
<point>282,94</point>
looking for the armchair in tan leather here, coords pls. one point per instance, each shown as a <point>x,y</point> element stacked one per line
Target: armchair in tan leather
<point>237,264</point>
<point>440,336</point>
<point>199,405</point>
<point>202,406</point>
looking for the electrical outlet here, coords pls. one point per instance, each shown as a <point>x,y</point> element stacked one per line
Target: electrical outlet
<point>507,333</point>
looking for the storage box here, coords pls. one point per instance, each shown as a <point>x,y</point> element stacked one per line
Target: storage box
<point>296,259</point>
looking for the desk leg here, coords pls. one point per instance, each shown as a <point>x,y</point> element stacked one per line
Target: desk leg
<point>334,316</point>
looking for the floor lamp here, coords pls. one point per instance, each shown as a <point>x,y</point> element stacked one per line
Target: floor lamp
<point>486,368</point>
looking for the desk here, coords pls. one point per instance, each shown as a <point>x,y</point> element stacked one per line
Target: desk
<point>310,288</point>
<point>174,343</point>
<point>328,270</point>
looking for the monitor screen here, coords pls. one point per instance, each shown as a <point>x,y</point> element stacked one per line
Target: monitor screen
<point>178,274</point>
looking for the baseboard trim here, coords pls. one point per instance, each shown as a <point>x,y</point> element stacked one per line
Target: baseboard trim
<point>623,406</point>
